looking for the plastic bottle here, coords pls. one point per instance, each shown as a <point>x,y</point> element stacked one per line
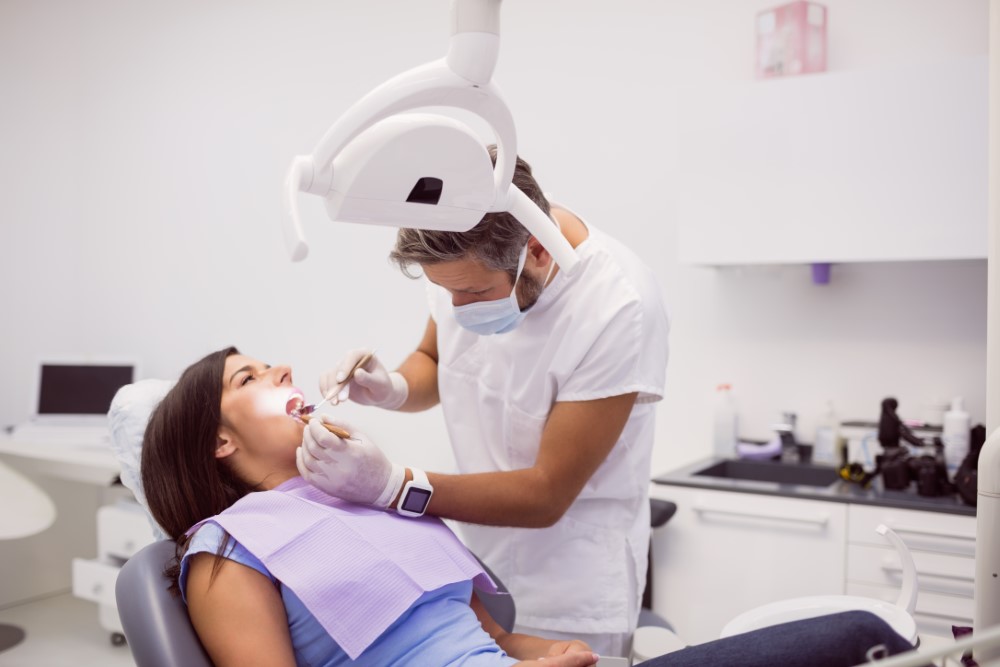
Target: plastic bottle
<point>827,434</point>
<point>725,424</point>
<point>955,436</point>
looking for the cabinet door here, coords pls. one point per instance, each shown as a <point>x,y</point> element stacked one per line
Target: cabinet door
<point>943,550</point>
<point>866,165</point>
<point>934,532</point>
<point>725,553</point>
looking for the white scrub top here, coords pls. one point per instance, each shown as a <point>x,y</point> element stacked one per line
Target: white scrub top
<point>596,332</point>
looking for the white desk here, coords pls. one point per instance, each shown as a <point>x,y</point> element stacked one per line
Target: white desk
<point>84,455</point>
<point>86,460</point>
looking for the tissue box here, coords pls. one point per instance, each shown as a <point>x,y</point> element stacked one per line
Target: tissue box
<point>791,39</point>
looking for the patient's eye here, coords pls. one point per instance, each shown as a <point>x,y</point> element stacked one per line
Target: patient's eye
<point>249,376</point>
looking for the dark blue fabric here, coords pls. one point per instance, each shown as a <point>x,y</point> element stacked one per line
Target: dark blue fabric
<point>837,640</point>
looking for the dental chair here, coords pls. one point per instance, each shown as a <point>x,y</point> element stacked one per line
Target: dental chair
<point>156,623</point>
<point>159,632</point>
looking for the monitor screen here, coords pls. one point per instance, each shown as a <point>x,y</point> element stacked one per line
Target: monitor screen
<point>67,389</point>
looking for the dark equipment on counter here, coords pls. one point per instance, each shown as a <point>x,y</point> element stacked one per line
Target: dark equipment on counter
<point>895,468</point>
<point>891,428</point>
<point>898,469</point>
<point>967,475</point>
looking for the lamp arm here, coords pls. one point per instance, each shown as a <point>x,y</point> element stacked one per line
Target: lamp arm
<point>475,39</point>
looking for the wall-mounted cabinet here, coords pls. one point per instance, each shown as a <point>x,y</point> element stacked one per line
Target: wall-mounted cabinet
<point>866,165</point>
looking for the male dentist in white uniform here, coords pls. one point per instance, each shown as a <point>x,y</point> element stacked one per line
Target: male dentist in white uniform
<point>547,380</point>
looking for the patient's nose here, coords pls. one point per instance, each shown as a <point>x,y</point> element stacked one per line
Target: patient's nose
<point>281,374</point>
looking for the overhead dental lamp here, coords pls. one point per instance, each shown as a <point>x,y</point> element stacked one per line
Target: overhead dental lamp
<point>381,163</point>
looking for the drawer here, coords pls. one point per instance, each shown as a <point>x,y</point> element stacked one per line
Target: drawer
<point>122,530</point>
<point>936,572</point>
<point>920,531</point>
<point>935,613</point>
<point>94,580</point>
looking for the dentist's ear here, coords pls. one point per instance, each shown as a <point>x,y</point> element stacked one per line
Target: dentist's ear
<point>538,252</point>
<point>224,445</point>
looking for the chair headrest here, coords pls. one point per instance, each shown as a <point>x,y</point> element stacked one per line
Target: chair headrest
<point>129,414</point>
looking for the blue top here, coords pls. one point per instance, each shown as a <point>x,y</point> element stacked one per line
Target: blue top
<point>439,629</point>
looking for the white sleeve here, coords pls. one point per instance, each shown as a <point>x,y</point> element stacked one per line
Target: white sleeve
<point>628,355</point>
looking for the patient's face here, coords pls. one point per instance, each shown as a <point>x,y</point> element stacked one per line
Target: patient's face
<point>254,412</point>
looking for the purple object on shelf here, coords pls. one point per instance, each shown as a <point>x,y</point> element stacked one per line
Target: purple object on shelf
<point>821,273</point>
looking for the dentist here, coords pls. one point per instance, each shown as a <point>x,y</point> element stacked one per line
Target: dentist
<point>547,380</point>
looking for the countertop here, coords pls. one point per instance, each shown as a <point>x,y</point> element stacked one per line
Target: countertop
<point>839,491</point>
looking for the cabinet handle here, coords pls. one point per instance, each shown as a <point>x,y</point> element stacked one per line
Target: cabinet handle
<point>893,569</point>
<point>945,617</point>
<point>933,533</point>
<point>815,519</point>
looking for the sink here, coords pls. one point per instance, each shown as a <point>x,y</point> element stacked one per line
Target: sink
<point>767,471</point>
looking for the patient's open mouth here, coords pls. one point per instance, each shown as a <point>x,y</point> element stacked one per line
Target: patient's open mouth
<point>294,404</point>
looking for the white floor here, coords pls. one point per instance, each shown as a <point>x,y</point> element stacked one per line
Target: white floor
<point>62,631</point>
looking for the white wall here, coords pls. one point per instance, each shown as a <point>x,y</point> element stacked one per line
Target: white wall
<point>144,146</point>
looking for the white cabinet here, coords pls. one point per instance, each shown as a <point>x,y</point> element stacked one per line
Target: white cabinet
<point>122,529</point>
<point>943,550</point>
<point>723,553</point>
<point>867,165</point>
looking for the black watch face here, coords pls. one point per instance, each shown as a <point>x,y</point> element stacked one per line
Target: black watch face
<point>416,500</point>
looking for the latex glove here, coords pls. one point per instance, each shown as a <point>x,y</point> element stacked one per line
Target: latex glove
<point>355,469</point>
<point>372,384</point>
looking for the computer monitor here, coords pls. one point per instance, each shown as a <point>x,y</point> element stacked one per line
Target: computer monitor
<point>77,391</point>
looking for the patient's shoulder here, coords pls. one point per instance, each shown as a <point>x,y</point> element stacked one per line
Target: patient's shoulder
<point>207,540</point>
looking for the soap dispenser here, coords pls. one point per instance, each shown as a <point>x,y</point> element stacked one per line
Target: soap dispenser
<point>955,436</point>
<point>825,444</point>
<point>725,423</point>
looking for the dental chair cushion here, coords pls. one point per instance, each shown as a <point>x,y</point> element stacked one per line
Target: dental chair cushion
<point>127,420</point>
<point>155,623</point>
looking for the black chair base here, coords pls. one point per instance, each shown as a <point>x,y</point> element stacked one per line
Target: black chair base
<point>10,636</point>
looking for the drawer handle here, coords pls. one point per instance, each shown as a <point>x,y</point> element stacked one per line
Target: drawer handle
<point>945,617</point>
<point>815,520</point>
<point>97,589</point>
<point>933,533</point>
<point>893,569</point>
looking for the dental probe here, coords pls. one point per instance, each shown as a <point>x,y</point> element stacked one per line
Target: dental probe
<point>336,430</point>
<point>309,409</point>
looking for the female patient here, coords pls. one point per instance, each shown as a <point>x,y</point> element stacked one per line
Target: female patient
<point>221,435</point>
<point>282,574</point>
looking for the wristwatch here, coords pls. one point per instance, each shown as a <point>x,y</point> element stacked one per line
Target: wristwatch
<point>416,495</point>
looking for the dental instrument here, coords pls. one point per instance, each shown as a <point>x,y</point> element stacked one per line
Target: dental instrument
<point>309,409</point>
<point>381,164</point>
<point>336,430</point>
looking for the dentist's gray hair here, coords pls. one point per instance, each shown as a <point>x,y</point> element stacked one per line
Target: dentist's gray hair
<point>496,241</point>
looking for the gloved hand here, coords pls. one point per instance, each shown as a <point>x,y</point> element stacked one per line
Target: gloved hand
<point>372,384</point>
<point>353,469</point>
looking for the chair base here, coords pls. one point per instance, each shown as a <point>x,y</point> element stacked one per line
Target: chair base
<point>10,636</point>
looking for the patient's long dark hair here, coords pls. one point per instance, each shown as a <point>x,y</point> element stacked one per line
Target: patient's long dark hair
<point>183,480</point>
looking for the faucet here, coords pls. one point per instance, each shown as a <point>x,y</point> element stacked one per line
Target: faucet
<point>786,431</point>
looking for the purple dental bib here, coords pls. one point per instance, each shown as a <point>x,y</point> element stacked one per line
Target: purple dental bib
<point>356,569</point>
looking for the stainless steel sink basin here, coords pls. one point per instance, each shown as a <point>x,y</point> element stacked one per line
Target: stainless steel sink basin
<point>771,471</point>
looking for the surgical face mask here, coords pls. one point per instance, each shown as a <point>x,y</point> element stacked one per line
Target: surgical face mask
<point>500,315</point>
<point>492,317</point>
